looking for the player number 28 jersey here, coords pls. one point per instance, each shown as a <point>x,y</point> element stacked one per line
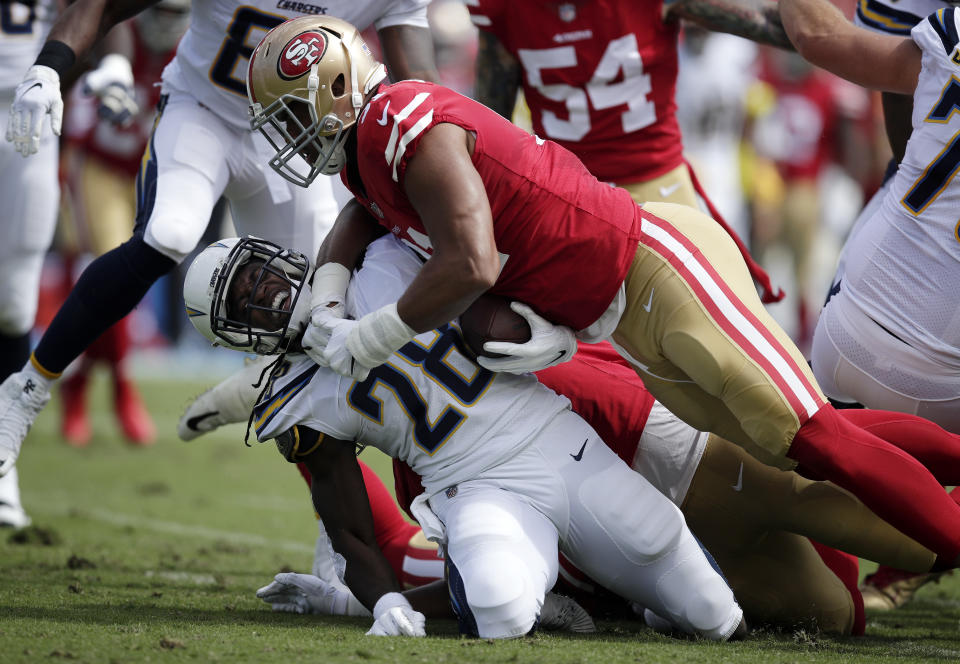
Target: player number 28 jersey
<point>919,220</point>
<point>429,405</point>
<point>599,78</point>
<point>212,58</point>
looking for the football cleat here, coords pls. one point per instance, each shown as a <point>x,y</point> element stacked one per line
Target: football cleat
<point>22,397</point>
<point>228,402</point>
<point>11,511</point>
<point>563,614</point>
<point>889,588</point>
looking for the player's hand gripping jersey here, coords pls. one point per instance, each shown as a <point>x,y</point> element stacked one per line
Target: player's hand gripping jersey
<point>599,79</point>
<point>428,405</point>
<point>223,33</point>
<point>917,222</point>
<point>548,211</point>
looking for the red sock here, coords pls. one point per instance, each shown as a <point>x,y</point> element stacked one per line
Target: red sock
<point>932,445</point>
<point>888,480</point>
<point>847,569</point>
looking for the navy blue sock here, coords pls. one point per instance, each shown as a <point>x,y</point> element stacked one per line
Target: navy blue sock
<point>14,352</point>
<point>108,290</point>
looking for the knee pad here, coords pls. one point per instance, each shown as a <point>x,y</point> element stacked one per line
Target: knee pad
<point>696,596</point>
<point>17,314</point>
<point>491,596</point>
<point>637,518</point>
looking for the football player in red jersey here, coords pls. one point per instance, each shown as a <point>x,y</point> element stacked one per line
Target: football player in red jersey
<point>600,77</point>
<point>490,207</point>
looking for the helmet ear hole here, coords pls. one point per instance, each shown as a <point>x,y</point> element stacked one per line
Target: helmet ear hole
<point>339,86</point>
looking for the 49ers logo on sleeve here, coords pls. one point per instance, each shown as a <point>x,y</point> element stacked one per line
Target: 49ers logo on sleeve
<point>301,53</point>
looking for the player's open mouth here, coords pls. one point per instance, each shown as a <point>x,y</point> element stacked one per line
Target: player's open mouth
<point>280,299</point>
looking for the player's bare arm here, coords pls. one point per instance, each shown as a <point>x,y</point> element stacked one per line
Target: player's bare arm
<point>340,498</point>
<point>408,53</point>
<point>445,188</point>
<point>897,114</point>
<point>353,230</point>
<point>824,37</point>
<point>498,75</point>
<point>85,22</point>
<point>757,20</point>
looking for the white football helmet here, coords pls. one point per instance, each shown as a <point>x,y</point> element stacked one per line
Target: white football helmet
<point>306,83</point>
<point>283,301</point>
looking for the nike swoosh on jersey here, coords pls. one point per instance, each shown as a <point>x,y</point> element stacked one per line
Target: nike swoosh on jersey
<point>194,422</point>
<point>579,455</point>
<point>739,485</point>
<point>669,189</point>
<point>383,118</point>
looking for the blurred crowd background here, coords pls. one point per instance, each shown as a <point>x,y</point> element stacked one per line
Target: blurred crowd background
<point>787,153</point>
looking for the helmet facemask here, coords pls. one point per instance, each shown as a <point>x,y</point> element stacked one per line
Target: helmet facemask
<point>305,145</point>
<point>244,320</point>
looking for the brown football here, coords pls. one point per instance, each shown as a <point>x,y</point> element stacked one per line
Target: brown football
<point>490,318</point>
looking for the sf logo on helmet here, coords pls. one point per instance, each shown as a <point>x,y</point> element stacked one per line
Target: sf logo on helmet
<point>301,53</point>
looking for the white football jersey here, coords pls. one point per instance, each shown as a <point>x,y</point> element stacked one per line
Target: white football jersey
<point>903,268</point>
<point>429,405</point>
<point>894,17</point>
<point>23,28</point>
<point>211,60</point>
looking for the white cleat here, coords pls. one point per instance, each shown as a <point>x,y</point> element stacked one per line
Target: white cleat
<point>11,511</point>
<point>22,397</point>
<point>228,402</point>
<point>563,614</point>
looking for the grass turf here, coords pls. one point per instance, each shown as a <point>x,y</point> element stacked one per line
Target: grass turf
<point>153,555</point>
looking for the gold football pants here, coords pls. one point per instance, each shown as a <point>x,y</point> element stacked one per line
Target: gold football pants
<point>755,520</point>
<point>698,336</point>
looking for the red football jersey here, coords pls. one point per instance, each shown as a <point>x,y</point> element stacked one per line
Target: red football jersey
<point>599,78</point>
<point>603,389</point>
<point>565,239</point>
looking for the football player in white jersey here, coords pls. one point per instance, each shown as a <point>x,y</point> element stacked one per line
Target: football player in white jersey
<point>888,336</point>
<point>510,474</point>
<point>30,193</point>
<point>201,148</point>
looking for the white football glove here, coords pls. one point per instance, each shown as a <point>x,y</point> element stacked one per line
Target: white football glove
<point>305,593</point>
<point>549,345</point>
<point>315,338</point>
<point>112,83</point>
<point>37,95</point>
<point>355,347</point>
<point>393,616</point>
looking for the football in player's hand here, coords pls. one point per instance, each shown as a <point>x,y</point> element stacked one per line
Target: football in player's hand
<point>490,318</point>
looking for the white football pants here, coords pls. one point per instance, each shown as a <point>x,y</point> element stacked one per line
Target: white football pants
<point>30,194</point>
<point>194,157</point>
<point>568,490</point>
<point>854,359</point>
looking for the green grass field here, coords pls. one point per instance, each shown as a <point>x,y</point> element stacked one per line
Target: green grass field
<point>154,555</point>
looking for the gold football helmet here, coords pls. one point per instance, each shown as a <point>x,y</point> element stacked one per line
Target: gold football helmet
<point>306,84</point>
